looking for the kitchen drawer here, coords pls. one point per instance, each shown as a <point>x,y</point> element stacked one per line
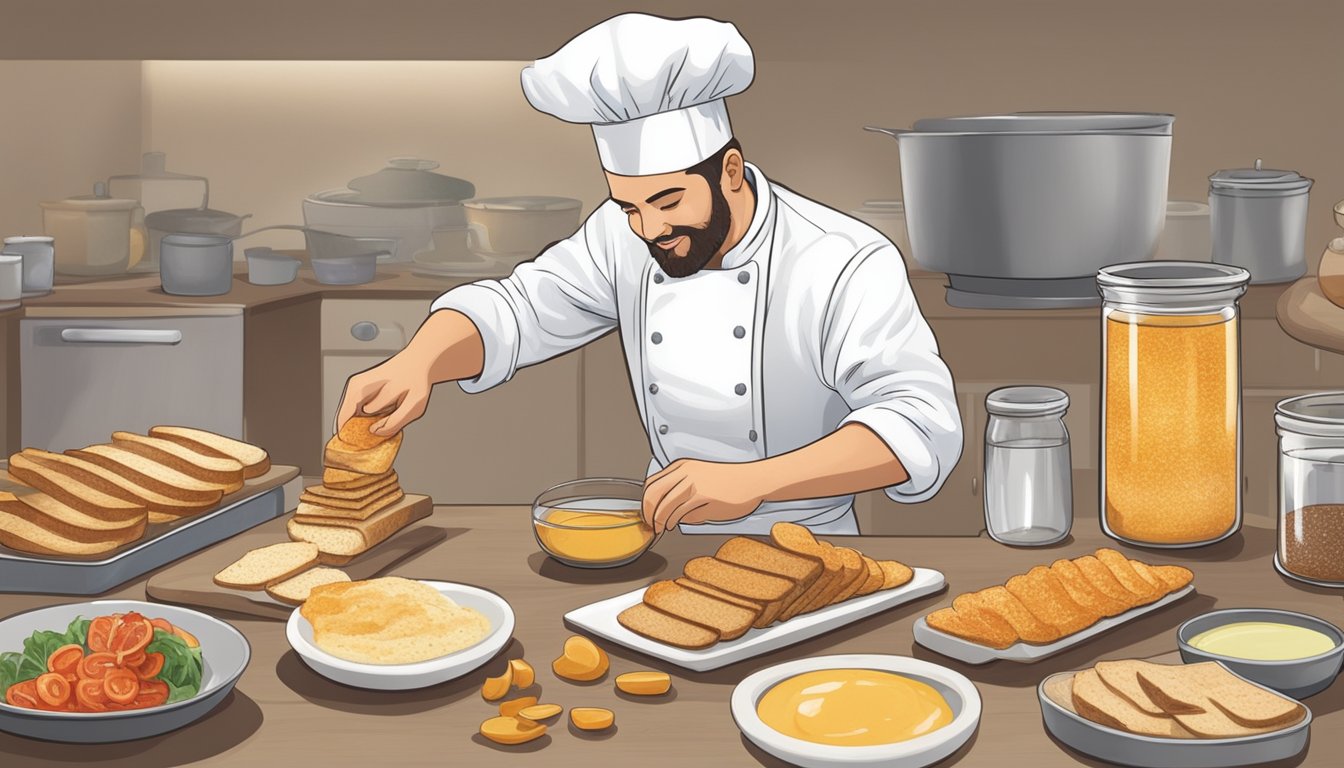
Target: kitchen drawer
<point>84,378</point>
<point>370,325</point>
<point>614,441</point>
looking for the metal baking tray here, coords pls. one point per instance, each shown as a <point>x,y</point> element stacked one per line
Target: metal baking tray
<point>1027,653</point>
<point>1117,746</point>
<point>162,544</point>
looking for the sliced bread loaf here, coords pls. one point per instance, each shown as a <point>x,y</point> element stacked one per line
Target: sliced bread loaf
<point>255,461</point>
<point>57,483</point>
<point>150,474</point>
<point>321,514</point>
<point>222,471</point>
<point>354,494</point>
<point>67,522</point>
<point>264,566</point>
<point>22,536</point>
<point>768,589</point>
<point>730,621</point>
<point>377,500</point>
<point>660,627</point>
<point>358,536</point>
<point>295,589</point>
<point>750,553</point>
<point>122,487</point>
<point>1098,703</point>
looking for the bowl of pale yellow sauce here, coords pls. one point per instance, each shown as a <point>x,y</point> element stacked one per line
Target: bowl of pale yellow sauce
<point>592,523</point>
<point>1293,653</point>
<point>864,709</point>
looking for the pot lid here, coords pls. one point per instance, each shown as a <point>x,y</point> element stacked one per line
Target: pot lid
<point>173,220</point>
<point>1026,401</point>
<point>1051,122</point>
<point>1259,178</point>
<point>524,203</point>
<point>407,179</point>
<point>98,201</point>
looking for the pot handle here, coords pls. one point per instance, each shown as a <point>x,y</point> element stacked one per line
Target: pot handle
<point>894,133</point>
<point>297,227</point>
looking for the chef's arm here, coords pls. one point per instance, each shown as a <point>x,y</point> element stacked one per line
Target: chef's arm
<point>449,345</point>
<point>849,460</point>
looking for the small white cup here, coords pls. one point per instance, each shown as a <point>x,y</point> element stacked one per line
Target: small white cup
<point>39,257</point>
<point>11,276</point>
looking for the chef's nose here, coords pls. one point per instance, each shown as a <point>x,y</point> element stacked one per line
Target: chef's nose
<point>654,226</point>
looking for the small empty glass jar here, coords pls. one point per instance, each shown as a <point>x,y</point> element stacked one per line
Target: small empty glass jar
<point>1028,471</point>
<point>1311,488</point>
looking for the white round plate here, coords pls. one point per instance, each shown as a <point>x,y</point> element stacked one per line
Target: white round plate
<point>224,651</point>
<point>928,749</point>
<point>422,674</point>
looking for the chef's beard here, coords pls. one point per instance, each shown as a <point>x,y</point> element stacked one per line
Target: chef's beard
<point>704,241</point>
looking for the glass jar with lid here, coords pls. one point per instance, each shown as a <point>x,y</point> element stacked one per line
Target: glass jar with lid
<point>1311,488</point>
<point>1028,472</point>
<point>1171,402</point>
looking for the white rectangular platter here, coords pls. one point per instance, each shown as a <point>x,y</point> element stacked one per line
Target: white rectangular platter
<point>1026,653</point>
<point>600,619</point>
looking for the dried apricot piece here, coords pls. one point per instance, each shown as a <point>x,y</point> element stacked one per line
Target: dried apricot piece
<point>582,660</point>
<point>644,683</point>
<point>512,707</point>
<point>523,674</point>
<point>495,688</point>
<point>591,718</point>
<point>541,711</point>
<point>511,730</point>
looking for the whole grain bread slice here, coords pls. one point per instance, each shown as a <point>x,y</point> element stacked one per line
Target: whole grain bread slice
<point>895,574</point>
<point>57,483</point>
<point>355,432</point>
<point>264,566</point>
<point>352,505</point>
<point>768,589</point>
<point>22,536</point>
<point>1209,687</point>
<point>1098,703</point>
<point>758,555</point>
<point>649,622</point>
<point>67,522</point>
<point>148,473</point>
<point>160,505</point>
<point>256,462</point>
<point>799,540</point>
<point>1123,678</point>
<point>730,621</point>
<point>295,589</point>
<point>857,573</point>
<point>874,580</point>
<point>356,537</point>
<point>223,472</point>
<point>355,494</point>
<point>345,480</point>
<point>320,514</point>
<point>1046,598</point>
<point>727,597</point>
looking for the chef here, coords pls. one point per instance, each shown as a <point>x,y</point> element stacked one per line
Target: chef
<point>775,349</point>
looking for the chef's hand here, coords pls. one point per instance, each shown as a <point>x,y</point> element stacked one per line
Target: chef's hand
<point>400,385</point>
<point>691,491</point>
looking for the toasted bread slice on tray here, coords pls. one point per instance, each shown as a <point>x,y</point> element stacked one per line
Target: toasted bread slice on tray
<point>729,620</point>
<point>1000,601</point>
<point>345,480</point>
<point>354,494</point>
<point>1095,701</point>
<point>1122,677</point>
<point>224,472</point>
<point>1144,590</point>
<point>1046,598</point>
<point>66,523</point>
<point>1207,687</point>
<point>1082,591</point>
<point>151,474</point>
<point>264,566</point>
<point>663,628</point>
<point>969,625</point>
<point>799,540</point>
<point>1103,580</point>
<point>370,461</point>
<point>24,536</point>
<point>162,507</point>
<point>256,462</point>
<point>770,590</point>
<point>751,553</point>
<point>57,483</point>
<point>727,597</point>
<point>321,514</point>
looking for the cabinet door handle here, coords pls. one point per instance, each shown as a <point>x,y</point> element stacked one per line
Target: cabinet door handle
<point>120,336</point>
<point>975,485</point>
<point>364,330</point>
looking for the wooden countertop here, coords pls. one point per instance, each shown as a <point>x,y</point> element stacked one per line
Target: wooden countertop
<point>282,713</point>
<point>1308,316</point>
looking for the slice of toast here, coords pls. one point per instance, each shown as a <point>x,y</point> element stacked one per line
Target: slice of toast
<point>223,472</point>
<point>1143,590</point>
<point>799,540</point>
<point>160,506</point>
<point>345,480</point>
<point>354,494</point>
<point>1098,703</point>
<point>855,573</point>
<point>1123,678</point>
<point>968,626</point>
<point>730,621</point>
<point>355,537</point>
<point>148,473</point>
<point>1209,688</point>
<point>660,627</point>
<point>765,588</point>
<point>264,566</point>
<point>66,522</point>
<point>353,505</point>
<point>256,462</point>
<point>55,482</point>
<point>22,536</point>
<point>1101,579</point>
<point>894,574</point>
<point>321,514</point>
<point>1173,576</point>
<point>715,592</point>
<point>1000,601</point>
<point>371,461</point>
<point>751,553</point>
<point>1082,591</point>
<point>295,589</point>
<point>874,580</point>
<point>355,432</point>
<point>1046,598</point>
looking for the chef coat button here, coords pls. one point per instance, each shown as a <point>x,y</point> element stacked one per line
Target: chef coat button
<point>739,332</point>
<point>752,435</point>
<point>656,338</point>
<point>653,389</point>
<point>743,277</point>
<point>740,389</point>
<point>662,429</point>
<point>658,278</point>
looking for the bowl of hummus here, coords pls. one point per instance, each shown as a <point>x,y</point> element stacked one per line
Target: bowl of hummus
<point>396,634</point>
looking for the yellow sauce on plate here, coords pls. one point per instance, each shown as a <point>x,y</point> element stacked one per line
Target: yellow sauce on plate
<point>853,707</point>
<point>593,536</point>
<point>1262,641</point>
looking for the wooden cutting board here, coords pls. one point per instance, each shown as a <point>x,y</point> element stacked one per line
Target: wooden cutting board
<point>190,581</point>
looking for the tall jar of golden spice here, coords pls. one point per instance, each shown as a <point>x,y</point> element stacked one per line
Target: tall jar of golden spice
<point>1171,402</point>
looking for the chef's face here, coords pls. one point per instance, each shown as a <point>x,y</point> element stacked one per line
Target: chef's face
<point>682,217</point>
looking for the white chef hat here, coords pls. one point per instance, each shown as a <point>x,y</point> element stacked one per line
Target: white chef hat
<point>652,88</point>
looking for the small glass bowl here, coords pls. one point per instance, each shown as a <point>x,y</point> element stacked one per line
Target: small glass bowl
<point>592,523</point>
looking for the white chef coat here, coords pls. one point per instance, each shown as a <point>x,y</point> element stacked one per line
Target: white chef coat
<point>809,325</point>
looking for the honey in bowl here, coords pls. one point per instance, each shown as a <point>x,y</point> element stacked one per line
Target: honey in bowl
<point>853,707</point>
<point>1263,641</point>
<point>593,532</point>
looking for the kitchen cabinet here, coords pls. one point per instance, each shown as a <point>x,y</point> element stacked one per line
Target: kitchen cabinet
<point>503,446</point>
<point>9,382</point>
<point>87,374</point>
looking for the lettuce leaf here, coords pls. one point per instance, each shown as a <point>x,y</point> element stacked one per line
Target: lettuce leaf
<point>183,667</point>
<point>9,670</point>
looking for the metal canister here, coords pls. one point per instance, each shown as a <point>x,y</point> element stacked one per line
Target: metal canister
<point>1258,218</point>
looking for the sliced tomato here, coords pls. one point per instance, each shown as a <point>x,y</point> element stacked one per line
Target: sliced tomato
<point>131,637</point>
<point>89,695</point>
<point>162,624</point>
<point>100,631</point>
<point>97,665</point>
<point>153,693</point>
<point>121,686</point>
<point>53,689</point>
<point>133,661</point>
<point>150,667</point>
<point>23,695</point>
<point>65,659</point>
<point>187,637</point>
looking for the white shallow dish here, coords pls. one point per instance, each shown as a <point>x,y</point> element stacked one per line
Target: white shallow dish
<point>422,674</point>
<point>1117,746</point>
<point>960,693</point>
<point>224,651</point>
<point>1026,653</point>
<point>600,619</point>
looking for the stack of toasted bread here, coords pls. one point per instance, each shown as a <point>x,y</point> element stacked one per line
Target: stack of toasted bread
<point>355,508</point>
<point>92,500</point>
<point>1174,701</point>
<point>752,583</point>
<point>1047,604</point>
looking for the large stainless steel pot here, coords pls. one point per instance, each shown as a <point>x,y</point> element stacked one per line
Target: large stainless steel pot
<point>1022,210</point>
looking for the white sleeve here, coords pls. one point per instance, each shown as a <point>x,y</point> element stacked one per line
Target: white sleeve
<point>559,301</point>
<point>880,355</point>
